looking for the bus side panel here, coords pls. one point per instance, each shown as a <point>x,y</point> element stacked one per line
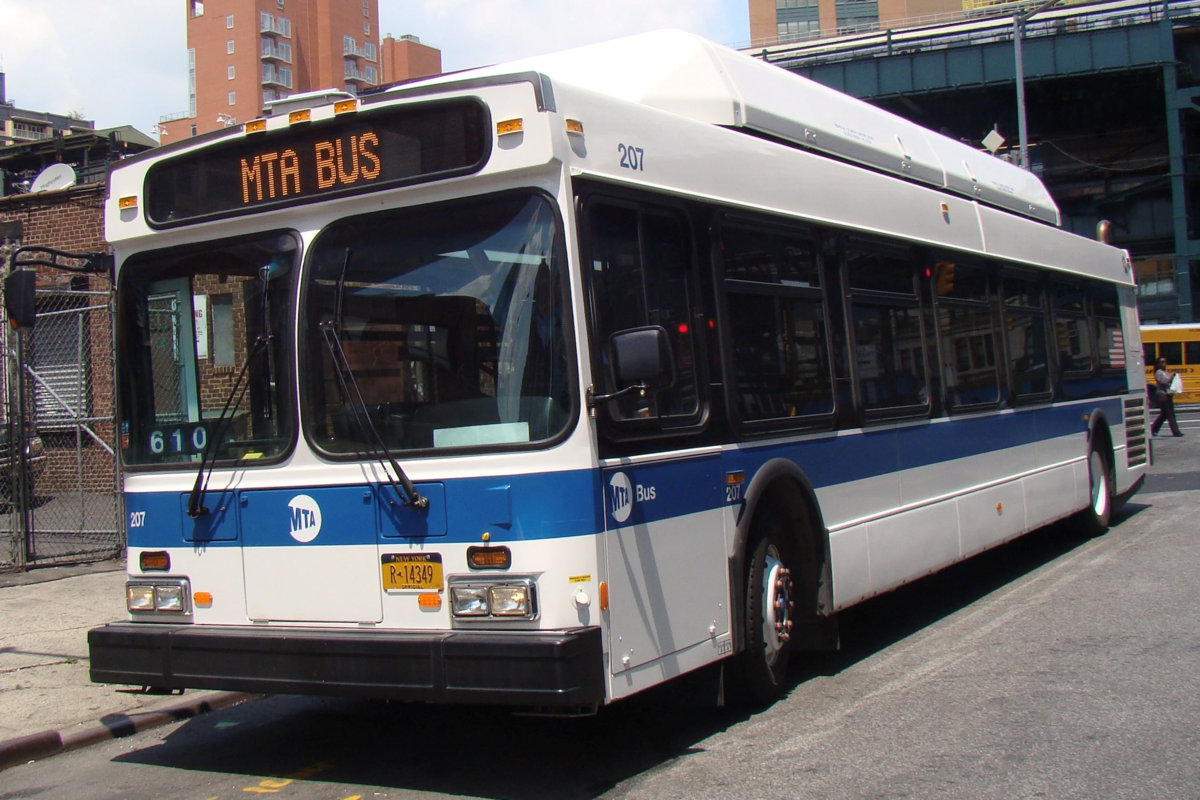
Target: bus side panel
<point>666,552</point>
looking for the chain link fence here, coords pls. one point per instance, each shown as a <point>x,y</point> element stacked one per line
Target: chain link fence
<point>60,503</point>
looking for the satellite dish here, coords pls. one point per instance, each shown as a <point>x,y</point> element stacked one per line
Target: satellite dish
<point>53,177</point>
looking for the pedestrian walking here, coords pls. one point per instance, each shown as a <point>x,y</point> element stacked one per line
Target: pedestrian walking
<point>1164,399</point>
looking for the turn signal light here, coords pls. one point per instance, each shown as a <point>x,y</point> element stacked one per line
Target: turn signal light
<point>430,602</point>
<point>155,561</point>
<point>575,126</point>
<point>203,599</point>
<point>127,202</point>
<point>603,595</point>
<point>489,557</point>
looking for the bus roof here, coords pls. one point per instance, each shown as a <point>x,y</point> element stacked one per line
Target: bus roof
<point>688,75</point>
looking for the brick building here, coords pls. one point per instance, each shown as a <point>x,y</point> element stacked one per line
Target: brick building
<point>781,21</point>
<point>243,54</point>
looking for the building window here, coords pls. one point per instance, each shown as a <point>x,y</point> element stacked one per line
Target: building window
<point>266,22</point>
<point>193,131</point>
<point>229,46</point>
<point>285,77</point>
<point>366,29</point>
<point>192,81</point>
<point>229,20</point>
<point>279,4</point>
<point>229,72</point>
<point>370,50</point>
<point>366,8</point>
<point>351,89</point>
<point>1155,276</point>
<point>370,74</point>
<point>197,9</point>
<point>233,98</point>
<point>349,46</point>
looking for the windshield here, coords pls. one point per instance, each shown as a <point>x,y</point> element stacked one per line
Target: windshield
<point>451,321</point>
<point>189,319</point>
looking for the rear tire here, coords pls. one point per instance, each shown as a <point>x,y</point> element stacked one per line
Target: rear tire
<point>762,666</point>
<point>1093,520</point>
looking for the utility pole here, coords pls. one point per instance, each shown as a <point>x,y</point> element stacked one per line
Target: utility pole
<point>1019,20</point>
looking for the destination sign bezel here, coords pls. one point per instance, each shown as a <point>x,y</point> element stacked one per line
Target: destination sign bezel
<point>370,146</point>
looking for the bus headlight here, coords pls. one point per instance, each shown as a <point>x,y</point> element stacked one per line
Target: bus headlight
<point>507,598</point>
<point>469,601</point>
<point>167,596</point>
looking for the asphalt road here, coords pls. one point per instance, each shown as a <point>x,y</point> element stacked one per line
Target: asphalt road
<point>1057,666</point>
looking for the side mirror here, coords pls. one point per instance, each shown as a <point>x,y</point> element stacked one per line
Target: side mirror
<point>642,356</point>
<point>19,297</point>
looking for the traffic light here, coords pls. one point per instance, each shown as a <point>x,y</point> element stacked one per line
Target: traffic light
<point>945,278</point>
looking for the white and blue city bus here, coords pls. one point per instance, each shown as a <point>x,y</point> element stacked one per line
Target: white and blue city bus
<point>544,383</point>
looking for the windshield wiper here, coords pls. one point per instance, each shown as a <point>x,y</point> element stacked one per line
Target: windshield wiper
<point>379,449</point>
<point>195,507</point>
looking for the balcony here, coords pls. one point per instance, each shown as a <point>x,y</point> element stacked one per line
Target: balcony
<point>353,73</point>
<point>276,76</point>
<point>276,51</point>
<point>29,134</point>
<point>350,49</point>
<point>271,25</point>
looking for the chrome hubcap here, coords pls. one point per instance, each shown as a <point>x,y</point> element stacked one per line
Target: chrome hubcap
<point>1099,481</point>
<point>777,605</point>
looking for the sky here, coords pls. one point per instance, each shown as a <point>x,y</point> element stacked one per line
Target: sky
<point>86,56</point>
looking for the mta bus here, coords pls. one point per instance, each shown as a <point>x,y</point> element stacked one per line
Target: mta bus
<point>545,383</point>
<point>1180,346</point>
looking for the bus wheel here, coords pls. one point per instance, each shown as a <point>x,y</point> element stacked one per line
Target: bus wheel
<point>1094,519</point>
<point>769,608</point>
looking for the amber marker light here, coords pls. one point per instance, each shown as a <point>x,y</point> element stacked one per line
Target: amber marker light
<point>510,126</point>
<point>603,595</point>
<point>127,202</point>
<point>345,106</point>
<point>155,561</point>
<point>296,117</point>
<point>489,557</point>
<point>256,126</point>
<point>575,126</point>
<point>734,478</point>
<point>202,599</point>
<point>429,602</point>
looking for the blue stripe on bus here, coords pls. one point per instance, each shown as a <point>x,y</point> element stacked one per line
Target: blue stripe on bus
<point>573,503</point>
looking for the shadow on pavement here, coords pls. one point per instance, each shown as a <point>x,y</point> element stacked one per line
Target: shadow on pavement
<point>488,752</point>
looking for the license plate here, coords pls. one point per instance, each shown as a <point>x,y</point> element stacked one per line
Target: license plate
<point>418,571</point>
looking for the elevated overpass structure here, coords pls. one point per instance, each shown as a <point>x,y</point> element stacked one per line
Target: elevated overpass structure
<point>1111,93</point>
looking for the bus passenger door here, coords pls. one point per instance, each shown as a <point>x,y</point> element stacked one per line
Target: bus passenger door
<point>667,571</point>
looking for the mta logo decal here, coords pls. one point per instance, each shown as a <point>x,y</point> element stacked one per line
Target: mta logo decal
<point>305,519</point>
<point>620,496</point>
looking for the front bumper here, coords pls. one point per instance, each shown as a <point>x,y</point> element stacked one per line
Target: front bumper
<point>534,668</point>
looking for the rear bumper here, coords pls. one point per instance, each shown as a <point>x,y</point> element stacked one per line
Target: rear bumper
<point>551,669</point>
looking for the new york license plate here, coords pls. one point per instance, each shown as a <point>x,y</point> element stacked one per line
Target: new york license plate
<point>418,571</point>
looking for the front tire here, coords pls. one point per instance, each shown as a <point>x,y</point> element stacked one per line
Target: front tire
<point>762,665</point>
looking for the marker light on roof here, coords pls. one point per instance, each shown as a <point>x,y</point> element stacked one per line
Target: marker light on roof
<point>345,106</point>
<point>510,126</point>
<point>304,115</point>
<point>256,126</point>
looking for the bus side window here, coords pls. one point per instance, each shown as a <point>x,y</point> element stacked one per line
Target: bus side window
<point>970,372</point>
<point>1025,337</point>
<point>885,322</point>
<point>1073,338</point>
<point>1106,310</point>
<point>1150,355</point>
<point>1172,352</point>
<point>779,340</point>
<point>640,272</point>
<point>1191,352</point>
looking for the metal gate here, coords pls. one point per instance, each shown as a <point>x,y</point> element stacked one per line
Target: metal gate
<point>59,478</point>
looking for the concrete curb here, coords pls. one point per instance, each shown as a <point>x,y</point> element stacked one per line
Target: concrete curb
<point>42,745</point>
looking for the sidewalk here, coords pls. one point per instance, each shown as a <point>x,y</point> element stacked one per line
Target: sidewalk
<point>44,620</point>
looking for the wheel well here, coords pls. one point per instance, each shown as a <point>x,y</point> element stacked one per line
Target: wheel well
<point>807,549</point>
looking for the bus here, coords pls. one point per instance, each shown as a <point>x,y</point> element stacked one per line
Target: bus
<point>1180,346</point>
<point>544,383</point>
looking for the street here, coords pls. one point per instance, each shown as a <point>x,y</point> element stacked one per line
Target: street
<point>1056,666</point>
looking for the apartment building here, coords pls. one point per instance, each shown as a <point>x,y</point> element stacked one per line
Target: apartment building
<point>19,125</point>
<point>783,21</point>
<point>243,54</point>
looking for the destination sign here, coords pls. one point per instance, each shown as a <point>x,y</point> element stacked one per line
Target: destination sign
<point>393,147</point>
